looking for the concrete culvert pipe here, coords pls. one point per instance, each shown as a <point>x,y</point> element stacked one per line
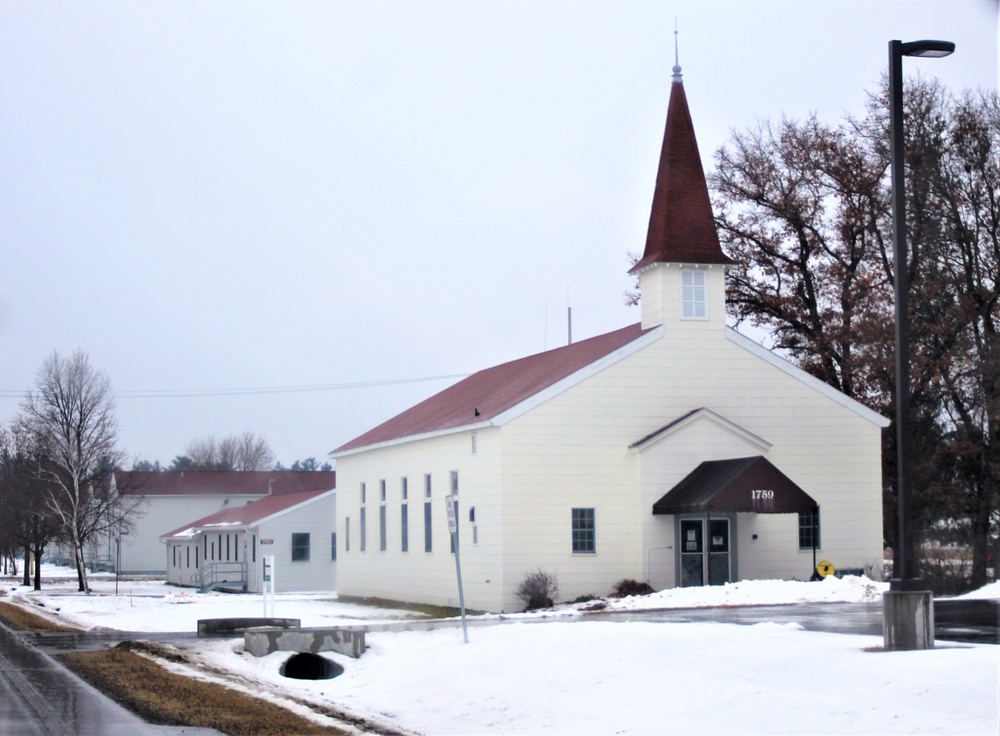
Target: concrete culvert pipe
<point>308,666</point>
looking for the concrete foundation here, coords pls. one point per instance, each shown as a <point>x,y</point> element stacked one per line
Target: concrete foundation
<point>343,641</point>
<point>908,620</point>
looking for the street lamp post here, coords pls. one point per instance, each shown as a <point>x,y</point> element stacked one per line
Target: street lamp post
<point>907,607</point>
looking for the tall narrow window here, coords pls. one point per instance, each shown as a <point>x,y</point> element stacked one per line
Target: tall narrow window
<point>584,531</point>
<point>253,547</point>
<point>427,526</point>
<point>693,292</point>
<point>364,493</point>
<point>300,547</point>
<point>347,533</point>
<point>404,515</point>
<point>427,513</point>
<point>404,518</point>
<point>333,546</point>
<point>475,443</point>
<point>364,540</point>
<point>381,527</point>
<point>381,491</point>
<point>808,529</point>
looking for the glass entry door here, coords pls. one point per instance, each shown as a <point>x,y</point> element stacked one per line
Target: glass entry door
<point>704,557</point>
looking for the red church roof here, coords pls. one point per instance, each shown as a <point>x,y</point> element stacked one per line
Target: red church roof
<point>484,395</point>
<point>681,225</point>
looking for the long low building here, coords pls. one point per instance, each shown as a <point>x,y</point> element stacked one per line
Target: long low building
<point>170,499</point>
<point>292,533</point>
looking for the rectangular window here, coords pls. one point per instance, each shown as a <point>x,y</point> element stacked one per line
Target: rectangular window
<point>381,491</point>
<point>475,443</point>
<point>187,554</point>
<point>333,546</point>
<point>454,482</point>
<point>404,518</point>
<point>693,292</point>
<point>253,546</point>
<point>381,528</point>
<point>404,489</point>
<point>808,529</point>
<point>300,547</point>
<point>364,493</point>
<point>204,541</point>
<point>364,540</point>
<point>584,531</point>
<point>427,486</point>
<point>347,533</point>
<point>196,551</point>
<point>427,526</point>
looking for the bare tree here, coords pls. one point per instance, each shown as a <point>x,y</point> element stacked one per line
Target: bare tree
<point>244,452</point>
<point>71,416</point>
<point>28,522</point>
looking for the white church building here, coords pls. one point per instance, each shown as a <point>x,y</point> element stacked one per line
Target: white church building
<point>673,451</point>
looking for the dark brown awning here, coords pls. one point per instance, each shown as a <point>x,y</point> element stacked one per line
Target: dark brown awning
<point>749,484</point>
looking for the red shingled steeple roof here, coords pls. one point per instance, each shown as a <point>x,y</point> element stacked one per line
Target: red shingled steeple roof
<point>681,226</point>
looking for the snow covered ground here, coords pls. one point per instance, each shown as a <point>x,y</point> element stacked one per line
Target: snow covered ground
<point>570,675</point>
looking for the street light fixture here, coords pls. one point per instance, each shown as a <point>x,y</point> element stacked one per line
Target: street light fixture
<point>900,631</point>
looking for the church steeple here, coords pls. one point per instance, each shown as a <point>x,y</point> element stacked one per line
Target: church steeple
<point>681,226</point>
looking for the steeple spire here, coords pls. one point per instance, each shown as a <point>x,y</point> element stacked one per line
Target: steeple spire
<point>681,225</point>
<point>677,58</point>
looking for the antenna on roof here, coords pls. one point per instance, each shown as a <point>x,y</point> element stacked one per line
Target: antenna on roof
<point>677,57</point>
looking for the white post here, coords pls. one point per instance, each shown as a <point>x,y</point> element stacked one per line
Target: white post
<point>267,586</point>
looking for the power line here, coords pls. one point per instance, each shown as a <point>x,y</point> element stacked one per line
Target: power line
<point>214,392</point>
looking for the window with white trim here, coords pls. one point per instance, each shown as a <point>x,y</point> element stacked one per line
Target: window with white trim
<point>809,529</point>
<point>584,531</point>
<point>694,294</point>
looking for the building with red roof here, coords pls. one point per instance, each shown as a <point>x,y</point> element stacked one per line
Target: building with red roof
<point>173,498</point>
<point>227,549</point>
<point>674,451</point>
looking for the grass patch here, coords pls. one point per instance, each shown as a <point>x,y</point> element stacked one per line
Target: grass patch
<point>166,698</point>
<point>423,608</point>
<point>18,618</point>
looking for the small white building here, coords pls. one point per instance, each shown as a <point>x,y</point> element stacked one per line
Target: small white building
<point>171,498</point>
<point>227,549</point>
<point>674,451</point>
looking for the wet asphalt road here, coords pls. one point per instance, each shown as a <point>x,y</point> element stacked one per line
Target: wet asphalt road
<point>40,697</point>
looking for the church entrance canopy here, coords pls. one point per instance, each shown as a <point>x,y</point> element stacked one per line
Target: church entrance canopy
<point>743,485</point>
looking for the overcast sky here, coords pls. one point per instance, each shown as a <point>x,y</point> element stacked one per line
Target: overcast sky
<point>254,195</point>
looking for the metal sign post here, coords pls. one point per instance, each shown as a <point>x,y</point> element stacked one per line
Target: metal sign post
<point>268,584</point>
<point>451,503</point>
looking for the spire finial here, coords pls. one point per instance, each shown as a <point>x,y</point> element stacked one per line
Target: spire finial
<point>677,62</point>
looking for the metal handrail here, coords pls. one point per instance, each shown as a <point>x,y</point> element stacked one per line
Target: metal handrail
<point>211,574</point>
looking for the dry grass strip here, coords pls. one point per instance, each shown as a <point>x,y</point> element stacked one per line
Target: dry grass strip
<point>18,618</point>
<point>166,698</point>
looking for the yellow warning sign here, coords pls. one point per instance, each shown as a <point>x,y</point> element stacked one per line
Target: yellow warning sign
<point>825,569</point>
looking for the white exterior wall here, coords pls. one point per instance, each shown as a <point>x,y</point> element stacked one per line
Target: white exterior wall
<point>572,451</point>
<point>183,559</point>
<point>416,575</point>
<point>319,572</point>
<point>142,552</point>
